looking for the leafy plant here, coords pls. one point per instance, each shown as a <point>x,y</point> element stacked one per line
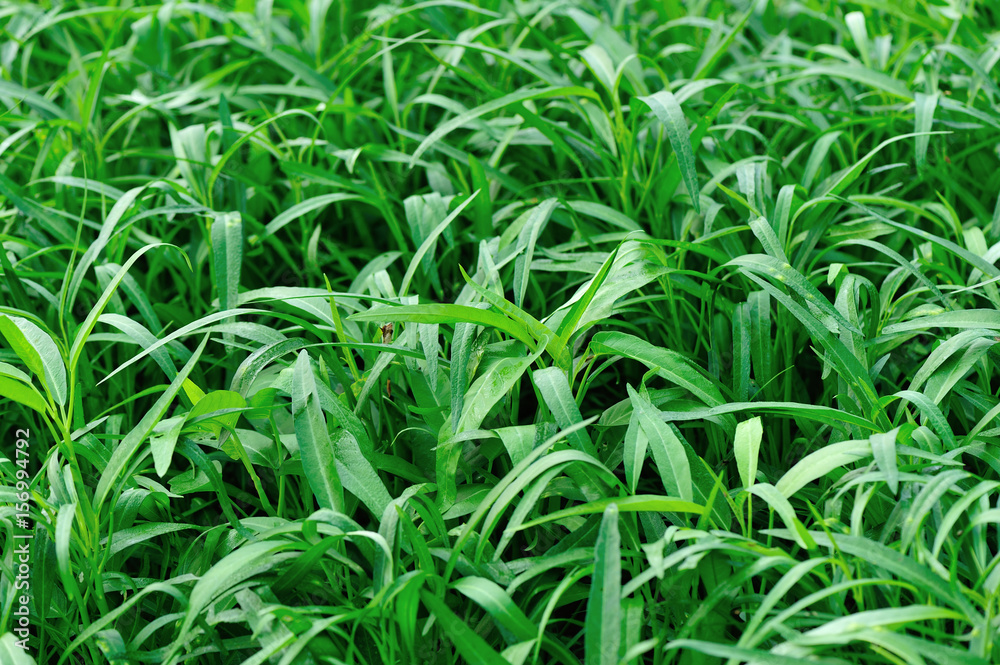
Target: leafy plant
<point>501,332</point>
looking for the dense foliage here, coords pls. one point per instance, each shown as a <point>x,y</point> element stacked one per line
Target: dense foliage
<point>501,331</point>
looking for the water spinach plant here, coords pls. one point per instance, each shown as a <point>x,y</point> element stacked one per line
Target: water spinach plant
<point>611,332</point>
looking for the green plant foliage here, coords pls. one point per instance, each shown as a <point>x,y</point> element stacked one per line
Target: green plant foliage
<point>611,332</point>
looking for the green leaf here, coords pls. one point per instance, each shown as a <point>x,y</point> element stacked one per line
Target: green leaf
<point>968,318</point>
<point>126,538</point>
<point>318,459</point>
<point>602,626</point>
<point>850,368</point>
<point>37,350</point>
<point>822,414</point>
<point>860,74</point>
<point>636,445</point>
<point>537,218</point>
<point>747,448</point>
<point>217,400</point>
<point>446,314</point>
<point>928,499</point>
<point>145,339</point>
<point>823,461</point>
<point>604,213</point>
<point>558,396</point>
<point>227,252</point>
<point>668,364</point>
<point>517,97</point>
<point>164,442</point>
<point>923,106</point>
<point>358,475</point>
<point>780,505</point>
<point>298,210</point>
<point>666,108</point>
<point>254,364</point>
<point>538,462</point>
<point>24,394</point>
<point>884,452</point>
<point>511,620</point>
<point>668,451</point>
<point>44,106</point>
<point>741,352</point>
<point>761,342</point>
<point>13,653</point>
<point>711,56</point>
<point>625,271</point>
<point>630,504</point>
<point>461,353</point>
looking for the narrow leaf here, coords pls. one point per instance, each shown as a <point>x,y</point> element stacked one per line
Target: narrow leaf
<point>666,108</point>
<point>318,459</point>
<point>602,626</point>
